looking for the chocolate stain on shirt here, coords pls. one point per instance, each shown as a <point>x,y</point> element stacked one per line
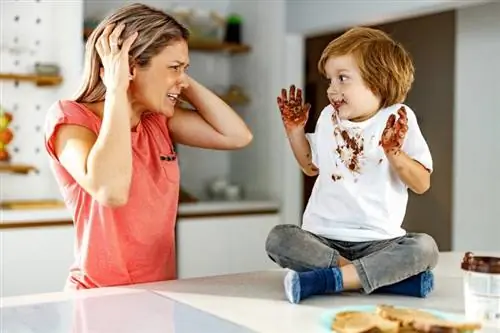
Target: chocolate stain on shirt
<point>336,177</point>
<point>350,148</point>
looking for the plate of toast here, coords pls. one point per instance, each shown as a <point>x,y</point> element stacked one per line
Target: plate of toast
<point>391,319</point>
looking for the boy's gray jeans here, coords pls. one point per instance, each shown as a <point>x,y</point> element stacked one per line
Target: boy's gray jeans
<point>378,263</point>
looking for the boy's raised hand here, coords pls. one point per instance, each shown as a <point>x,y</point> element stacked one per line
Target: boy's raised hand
<point>293,113</point>
<point>395,132</point>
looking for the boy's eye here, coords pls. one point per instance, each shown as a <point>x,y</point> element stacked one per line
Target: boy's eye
<point>176,68</point>
<point>342,78</point>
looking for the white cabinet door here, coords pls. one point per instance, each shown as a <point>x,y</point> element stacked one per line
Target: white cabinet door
<point>34,260</point>
<point>223,245</point>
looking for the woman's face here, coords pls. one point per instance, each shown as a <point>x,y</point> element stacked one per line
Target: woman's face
<point>157,86</point>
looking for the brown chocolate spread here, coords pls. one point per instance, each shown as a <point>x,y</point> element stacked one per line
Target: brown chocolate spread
<point>481,264</point>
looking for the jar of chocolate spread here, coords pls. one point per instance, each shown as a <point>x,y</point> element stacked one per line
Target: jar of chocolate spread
<point>482,288</point>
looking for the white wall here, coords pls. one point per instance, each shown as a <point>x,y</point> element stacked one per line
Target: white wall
<point>32,34</point>
<point>292,175</point>
<point>476,191</point>
<point>261,73</point>
<point>328,16</point>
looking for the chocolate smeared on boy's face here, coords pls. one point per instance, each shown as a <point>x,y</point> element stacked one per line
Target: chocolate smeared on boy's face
<point>347,92</point>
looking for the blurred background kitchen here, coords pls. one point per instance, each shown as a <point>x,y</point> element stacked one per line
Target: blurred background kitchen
<point>247,51</point>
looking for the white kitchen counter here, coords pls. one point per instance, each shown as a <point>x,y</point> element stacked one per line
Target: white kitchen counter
<point>208,208</point>
<point>252,302</point>
<point>8,216</point>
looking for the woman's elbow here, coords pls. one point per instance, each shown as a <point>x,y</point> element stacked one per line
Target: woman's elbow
<point>242,140</point>
<point>113,202</point>
<point>113,198</point>
<point>246,139</point>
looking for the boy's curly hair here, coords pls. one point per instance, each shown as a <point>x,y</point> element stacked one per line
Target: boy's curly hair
<point>386,67</point>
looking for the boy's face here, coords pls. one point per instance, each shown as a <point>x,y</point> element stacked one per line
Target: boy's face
<point>347,92</point>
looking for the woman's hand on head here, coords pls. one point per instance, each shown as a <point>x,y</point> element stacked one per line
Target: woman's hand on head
<point>115,57</point>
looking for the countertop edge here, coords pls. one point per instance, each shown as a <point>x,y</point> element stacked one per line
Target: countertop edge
<point>61,217</point>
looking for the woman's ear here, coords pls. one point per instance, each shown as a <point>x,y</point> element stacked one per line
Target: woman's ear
<point>132,72</point>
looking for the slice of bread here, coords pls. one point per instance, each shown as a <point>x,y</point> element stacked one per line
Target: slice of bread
<point>423,322</point>
<point>403,315</point>
<point>363,322</point>
<point>444,326</point>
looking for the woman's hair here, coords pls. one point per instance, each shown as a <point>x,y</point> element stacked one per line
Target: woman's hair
<point>386,67</point>
<point>156,29</point>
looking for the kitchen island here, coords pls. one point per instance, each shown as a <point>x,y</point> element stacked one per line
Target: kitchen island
<point>240,303</point>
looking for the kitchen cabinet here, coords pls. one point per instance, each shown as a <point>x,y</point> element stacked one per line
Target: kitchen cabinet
<point>35,260</point>
<point>223,245</point>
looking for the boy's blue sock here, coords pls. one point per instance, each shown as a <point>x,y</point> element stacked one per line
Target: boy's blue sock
<point>300,285</point>
<point>419,285</point>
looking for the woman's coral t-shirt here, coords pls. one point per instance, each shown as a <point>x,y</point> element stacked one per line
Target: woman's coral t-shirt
<point>134,243</point>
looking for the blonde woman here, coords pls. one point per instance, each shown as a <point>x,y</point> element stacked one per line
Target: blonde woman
<point>112,152</point>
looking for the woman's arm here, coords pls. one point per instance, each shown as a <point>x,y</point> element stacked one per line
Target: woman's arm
<point>214,125</point>
<point>102,165</point>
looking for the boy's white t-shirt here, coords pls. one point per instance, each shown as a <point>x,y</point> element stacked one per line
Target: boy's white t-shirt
<point>357,195</point>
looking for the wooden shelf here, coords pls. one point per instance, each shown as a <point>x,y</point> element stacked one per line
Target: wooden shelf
<point>21,169</point>
<point>203,46</point>
<point>39,80</point>
<point>31,204</point>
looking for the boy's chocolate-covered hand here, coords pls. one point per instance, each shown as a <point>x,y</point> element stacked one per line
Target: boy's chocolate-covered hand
<point>293,113</point>
<point>395,132</point>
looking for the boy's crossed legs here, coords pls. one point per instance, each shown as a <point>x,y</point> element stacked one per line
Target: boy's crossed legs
<point>319,265</point>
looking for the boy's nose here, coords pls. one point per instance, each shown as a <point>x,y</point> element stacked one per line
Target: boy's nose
<point>332,90</point>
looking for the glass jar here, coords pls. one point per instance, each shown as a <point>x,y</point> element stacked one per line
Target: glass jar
<point>482,289</point>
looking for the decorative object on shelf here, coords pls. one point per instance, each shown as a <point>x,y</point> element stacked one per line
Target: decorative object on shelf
<point>203,25</point>
<point>233,29</point>
<point>46,69</point>
<point>221,189</point>
<point>6,134</point>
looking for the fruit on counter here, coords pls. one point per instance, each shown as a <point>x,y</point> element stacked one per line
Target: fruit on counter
<point>4,155</point>
<point>5,118</point>
<point>6,136</point>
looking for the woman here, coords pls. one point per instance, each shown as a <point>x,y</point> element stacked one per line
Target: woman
<point>112,149</point>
